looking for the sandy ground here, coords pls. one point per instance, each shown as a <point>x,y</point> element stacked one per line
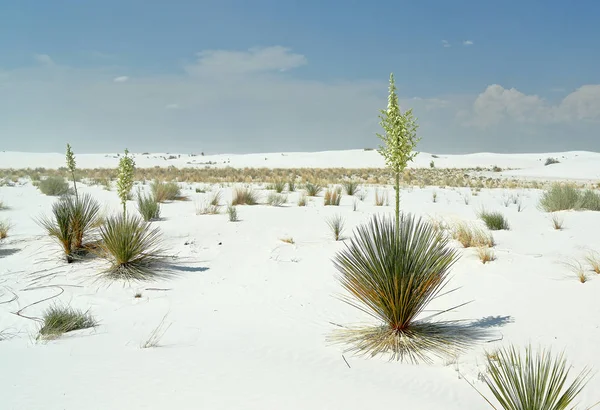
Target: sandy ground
<point>248,315</point>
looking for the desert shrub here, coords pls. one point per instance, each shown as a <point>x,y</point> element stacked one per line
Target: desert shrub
<point>72,223</point>
<point>58,320</point>
<point>532,381</point>
<point>211,205</point>
<point>333,196</point>
<point>54,186</point>
<point>132,246</point>
<point>313,189</point>
<point>485,254</point>
<point>469,235</point>
<point>550,161</point>
<point>278,186</point>
<point>165,191</point>
<point>302,200</point>
<point>381,198</point>
<point>4,228</point>
<point>292,184</point>
<point>589,200</point>
<point>148,206</point>
<point>275,199</point>
<point>232,213</point>
<point>495,221</point>
<point>350,186</point>
<point>392,272</point>
<point>336,224</point>
<point>244,196</point>
<point>557,221</point>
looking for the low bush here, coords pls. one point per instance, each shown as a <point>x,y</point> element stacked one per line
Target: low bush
<point>148,206</point>
<point>550,161</point>
<point>244,196</point>
<point>561,197</point>
<point>54,186</point>
<point>165,191</point>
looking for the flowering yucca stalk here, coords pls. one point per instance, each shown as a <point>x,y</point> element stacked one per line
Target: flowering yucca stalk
<point>399,139</point>
<point>71,166</point>
<point>125,178</point>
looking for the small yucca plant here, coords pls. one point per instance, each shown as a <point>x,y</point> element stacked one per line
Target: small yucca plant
<point>148,206</point>
<point>132,246</point>
<point>232,213</point>
<point>58,320</point>
<point>351,187</point>
<point>495,221</point>
<point>392,272</point>
<point>532,381</point>
<point>336,224</point>
<point>313,189</point>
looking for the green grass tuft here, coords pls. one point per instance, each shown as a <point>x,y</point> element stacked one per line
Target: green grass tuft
<point>336,224</point>
<point>561,197</point>
<point>351,187</point>
<point>495,221</point>
<point>244,196</point>
<point>148,206</point>
<point>275,199</point>
<point>313,189</point>
<point>58,320</point>
<point>165,191</point>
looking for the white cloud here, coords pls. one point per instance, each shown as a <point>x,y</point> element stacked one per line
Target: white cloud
<point>43,59</point>
<point>498,104</point>
<point>172,106</point>
<point>467,43</point>
<point>121,79</point>
<point>445,43</point>
<point>254,60</point>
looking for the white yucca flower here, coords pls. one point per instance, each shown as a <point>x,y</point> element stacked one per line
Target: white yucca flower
<point>125,178</point>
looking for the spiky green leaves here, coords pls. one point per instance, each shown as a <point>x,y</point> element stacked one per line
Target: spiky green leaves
<point>532,381</point>
<point>125,178</point>
<point>392,272</point>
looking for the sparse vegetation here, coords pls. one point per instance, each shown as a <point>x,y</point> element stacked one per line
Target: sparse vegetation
<point>495,221</point>
<point>289,240</point>
<point>132,246</point>
<point>434,196</point>
<point>4,228</point>
<point>54,186</point>
<point>392,272</point>
<point>336,224</point>
<point>577,269</point>
<point>485,254</point>
<point>593,260</point>
<point>125,179</point>
<point>550,161</point>
<point>232,213</point>
<point>156,335</point>
<point>557,221</point>
<point>381,198</point>
<point>278,186</point>
<point>333,196</point>
<point>313,188</point>
<point>244,196</point>
<point>292,184</point>
<point>165,191</point>
<point>532,381</point>
<point>302,200</point>
<point>211,205</point>
<point>2,205</point>
<point>275,199</point>
<point>471,235</point>
<point>562,196</point>
<point>350,186</point>
<point>58,320</point>
<point>148,206</point>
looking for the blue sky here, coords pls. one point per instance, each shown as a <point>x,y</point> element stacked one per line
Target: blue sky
<point>263,75</point>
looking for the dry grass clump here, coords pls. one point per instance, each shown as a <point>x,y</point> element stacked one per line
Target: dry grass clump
<point>4,228</point>
<point>557,221</point>
<point>333,196</point>
<point>302,200</point>
<point>536,381</point>
<point>244,196</point>
<point>58,320</point>
<point>289,240</point>
<point>156,335</point>
<point>381,198</point>
<point>593,260</point>
<point>486,254</point>
<point>577,269</point>
<point>471,235</point>
<point>393,273</point>
<point>165,191</point>
<point>211,205</point>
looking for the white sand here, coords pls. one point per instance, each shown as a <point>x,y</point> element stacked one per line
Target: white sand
<point>249,314</point>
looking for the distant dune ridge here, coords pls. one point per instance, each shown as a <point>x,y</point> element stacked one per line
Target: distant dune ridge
<point>574,165</point>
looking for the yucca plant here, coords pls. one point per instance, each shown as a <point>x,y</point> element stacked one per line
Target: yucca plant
<point>392,272</point>
<point>72,223</point>
<point>125,178</point>
<point>59,319</point>
<point>278,186</point>
<point>532,381</point>
<point>313,189</point>
<point>351,187</point>
<point>148,206</point>
<point>336,224</point>
<point>132,246</point>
